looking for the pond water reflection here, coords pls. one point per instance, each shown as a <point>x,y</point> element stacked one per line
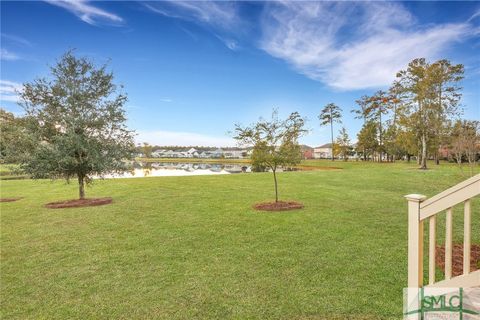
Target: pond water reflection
<point>165,169</point>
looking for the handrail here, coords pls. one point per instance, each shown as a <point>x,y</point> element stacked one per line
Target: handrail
<point>450,197</point>
<point>419,209</point>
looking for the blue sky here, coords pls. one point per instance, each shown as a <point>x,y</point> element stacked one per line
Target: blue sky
<point>194,69</point>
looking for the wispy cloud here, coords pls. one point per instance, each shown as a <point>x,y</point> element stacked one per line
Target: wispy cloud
<point>221,15</point>
<point>346,45</point>
<point>229,43</point>
<point>8,90</point>
<point>8,55</point>
<point>16,39</point>
<point>217,13</point>
<point>175,138</point>
<point>352,45</point>
<point>87,12</point>
<point>168,100</point>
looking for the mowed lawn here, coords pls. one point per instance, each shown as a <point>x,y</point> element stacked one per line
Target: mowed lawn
<point>193,248</point>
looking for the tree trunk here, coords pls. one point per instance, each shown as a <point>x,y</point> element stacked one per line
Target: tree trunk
<point>276,187</point>
<point>331,128</point>
<point>423,163</point>
<point>381,142</point>
<point>81,186</point>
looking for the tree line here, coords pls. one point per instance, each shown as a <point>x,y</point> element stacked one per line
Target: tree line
<point>417,116</point>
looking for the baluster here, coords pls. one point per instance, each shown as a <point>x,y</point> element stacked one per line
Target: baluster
<point>431,251</point>
<point>467,225</point>
<point>448,245</point>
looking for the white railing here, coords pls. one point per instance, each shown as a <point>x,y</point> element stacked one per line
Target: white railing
<point>419,210</point>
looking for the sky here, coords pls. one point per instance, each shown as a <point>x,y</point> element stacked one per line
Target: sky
<point>192,70</point>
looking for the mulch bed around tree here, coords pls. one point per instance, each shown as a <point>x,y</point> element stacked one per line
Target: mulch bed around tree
<point>278,206</point>
<point>89,202</point>
<point>457,258</point>
<point>9,199</point>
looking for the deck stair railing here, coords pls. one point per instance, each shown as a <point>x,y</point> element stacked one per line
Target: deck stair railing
<point>422,210</point>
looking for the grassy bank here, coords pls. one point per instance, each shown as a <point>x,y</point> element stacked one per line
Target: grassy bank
<point>193,248</point>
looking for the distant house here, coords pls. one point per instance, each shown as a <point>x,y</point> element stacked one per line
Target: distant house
<point>307,154</point>
<point>192,153</point>
<point>218,153</point>
<point>234,153</point>
<point>204,154</point>
<point>168,154</point>
<point>323,151</point>
<point>158,154</point>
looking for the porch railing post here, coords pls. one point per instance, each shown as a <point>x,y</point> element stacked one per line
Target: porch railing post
<point>415,241</point>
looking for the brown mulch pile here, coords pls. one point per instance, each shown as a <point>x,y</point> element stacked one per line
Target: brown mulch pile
<point>9,199</point>
<point>457,258</point>
<point>278,206</point>
<point>79,203</point>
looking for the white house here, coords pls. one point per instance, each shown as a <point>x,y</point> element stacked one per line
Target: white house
<point>323,151</point>
<point>204,154</point>
<point>218,153</point>
<point>234,153</point>
<point>192,153</point>
<point>158,154</point>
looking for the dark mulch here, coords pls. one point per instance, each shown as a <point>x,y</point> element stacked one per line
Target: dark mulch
<point>457,258</point>
<point>278,206</point>
<point>9,199</point>
<point>79,203</point>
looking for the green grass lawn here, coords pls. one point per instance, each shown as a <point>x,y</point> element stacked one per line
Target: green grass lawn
<point>193,248</point>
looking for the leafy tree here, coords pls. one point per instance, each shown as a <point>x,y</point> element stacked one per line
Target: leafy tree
<point>330,113</point>
<point>376,107</point>
<point>14,141</point>
<point>407,143</point>
<point>274,141</point>
<point>465,141</point>
<point>343,144</point>
<point>389,141</point>
<point>362,113</point>
<point>432,94</point>
<point>445,79</point>
<point>367,139</point>
<point>77,120</point>
<point>147,150</point>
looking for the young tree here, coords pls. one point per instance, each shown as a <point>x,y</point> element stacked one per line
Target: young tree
<point>343,144</point>
<point>78,122</point>
<point>330,113</point>
<point>274,141</point>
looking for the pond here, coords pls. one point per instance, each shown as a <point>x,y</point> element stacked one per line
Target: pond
<point>165,169</point>
<point>168,169</point>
